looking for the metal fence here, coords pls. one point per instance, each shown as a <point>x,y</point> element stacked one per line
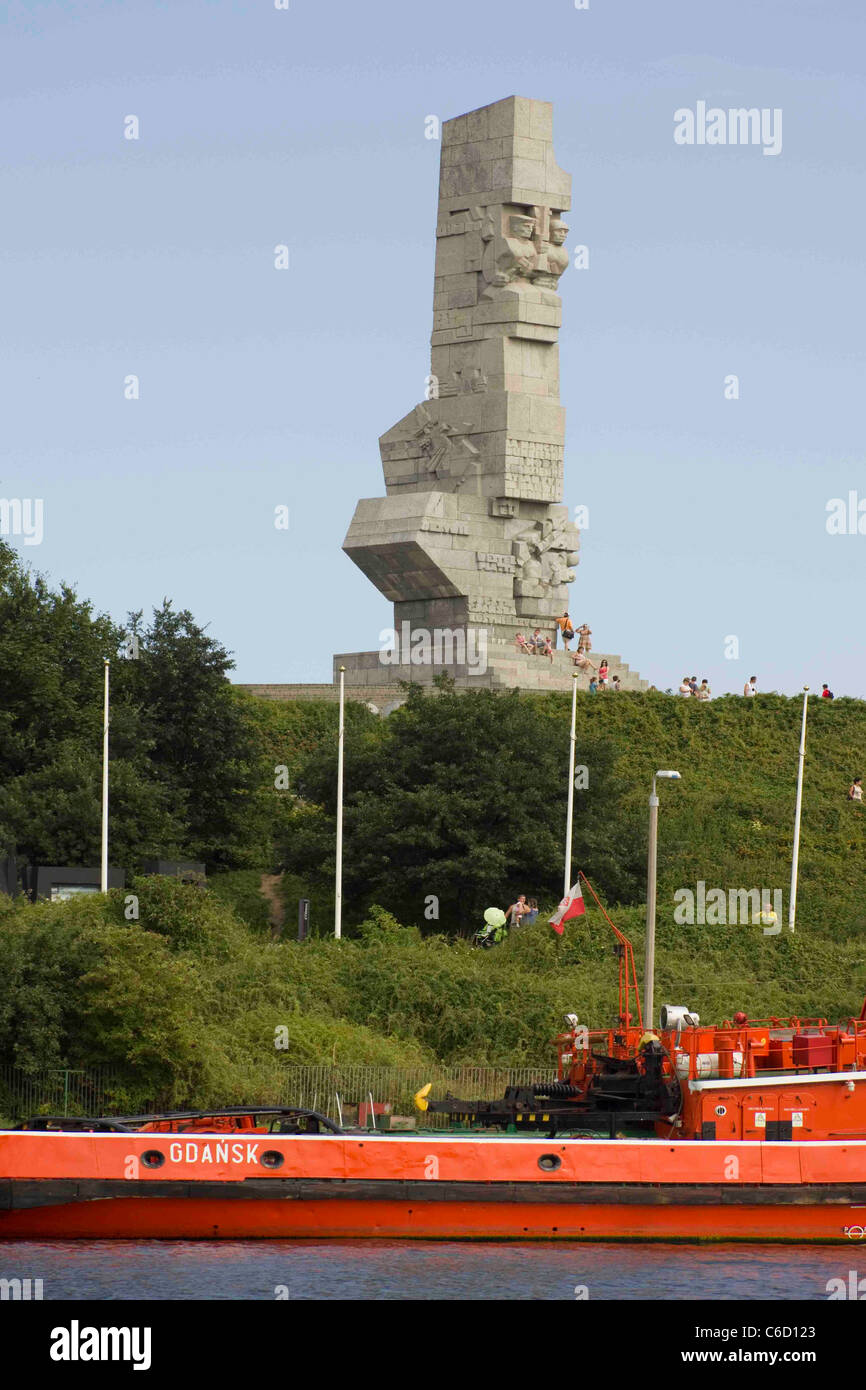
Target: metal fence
<point>58,1091</point>
<point>317,1088</point>
<point>95,1092</point>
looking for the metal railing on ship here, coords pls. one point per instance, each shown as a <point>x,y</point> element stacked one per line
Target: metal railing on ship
<point>334,1090</point>
<point>318,1088</point>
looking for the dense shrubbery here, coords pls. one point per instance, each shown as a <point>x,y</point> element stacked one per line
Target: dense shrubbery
<point>185,1002</point>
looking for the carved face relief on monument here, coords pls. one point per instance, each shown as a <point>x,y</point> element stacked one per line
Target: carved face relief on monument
<point>553,258</point>
<point>511,253</point>
<point>521,227</point>
<point>558,231</point>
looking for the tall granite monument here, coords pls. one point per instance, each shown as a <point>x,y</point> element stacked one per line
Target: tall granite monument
<point>472,542</point>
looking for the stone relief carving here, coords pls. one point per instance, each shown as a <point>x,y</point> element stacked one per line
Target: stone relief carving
<point>463,379</point>
<point>545,554</point>
<point>446,454</point>
<point>522,249</point>
<point>510,257</point>
<point>552,258</point>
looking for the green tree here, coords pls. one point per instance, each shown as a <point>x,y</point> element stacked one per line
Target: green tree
<point>462,798</point>
<point>201,742</point>
<point>187,778</point>
<point>52,648</point>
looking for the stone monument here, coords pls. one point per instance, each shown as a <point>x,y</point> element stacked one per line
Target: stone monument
<point>472,543</point>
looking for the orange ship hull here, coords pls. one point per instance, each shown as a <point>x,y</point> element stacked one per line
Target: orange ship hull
<point>212,1186</point>
<point>345,1219</point>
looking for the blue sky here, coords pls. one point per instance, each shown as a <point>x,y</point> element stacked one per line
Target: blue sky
<point>261,388</point>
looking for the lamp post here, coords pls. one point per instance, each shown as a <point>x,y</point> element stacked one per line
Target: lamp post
<point>795,858</point>
<point>652,860</point>
<point>570,817</point>
<point>103,880</point>
<point>338,887</point>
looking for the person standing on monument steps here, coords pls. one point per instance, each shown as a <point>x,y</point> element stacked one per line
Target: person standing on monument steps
<point>585,635</point>
<point>566,628</point>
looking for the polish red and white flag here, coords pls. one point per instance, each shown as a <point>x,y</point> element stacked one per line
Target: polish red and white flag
<point>572,905</point>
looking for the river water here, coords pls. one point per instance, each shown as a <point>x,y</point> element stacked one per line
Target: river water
<point>339,1270</point>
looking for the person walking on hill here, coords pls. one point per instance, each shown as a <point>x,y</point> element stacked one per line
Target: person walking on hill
<point>704,691</point>
<point>751,686</point>
<point>685,688</point>
<point>855,791</point>
<point>826,693</point>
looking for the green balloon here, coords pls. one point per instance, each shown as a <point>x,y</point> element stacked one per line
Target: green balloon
<point>494,917</point>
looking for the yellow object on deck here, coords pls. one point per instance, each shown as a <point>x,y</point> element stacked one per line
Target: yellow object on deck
<point>421,1096</point>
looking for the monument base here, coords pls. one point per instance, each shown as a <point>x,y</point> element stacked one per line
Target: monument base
<point>499,666</point>
<point>378,683</point>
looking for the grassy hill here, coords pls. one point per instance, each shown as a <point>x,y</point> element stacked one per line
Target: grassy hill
<point>730,821</point>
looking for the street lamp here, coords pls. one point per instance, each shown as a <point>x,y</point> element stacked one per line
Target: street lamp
<point>103,872</point>
<point>338,875</point>
<point>795,857</point>
<point>652,858</point>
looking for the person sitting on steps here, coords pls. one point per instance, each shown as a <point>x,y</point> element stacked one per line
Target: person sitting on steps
<point>582,661</point>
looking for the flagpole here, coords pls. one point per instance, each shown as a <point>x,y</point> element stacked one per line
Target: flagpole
<point>570,817</point>
<point>104,870</point>
<point>649,972</point>
<point>795,858</point>
<point>338,888</point>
